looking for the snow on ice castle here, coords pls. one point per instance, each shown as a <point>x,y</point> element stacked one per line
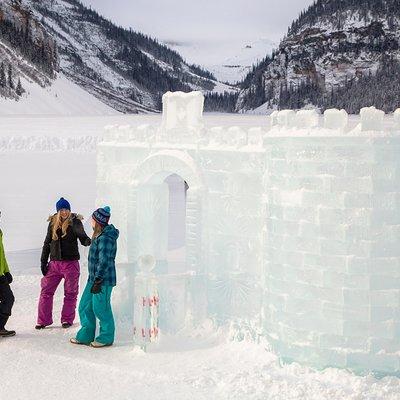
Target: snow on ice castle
<point>291,230</point>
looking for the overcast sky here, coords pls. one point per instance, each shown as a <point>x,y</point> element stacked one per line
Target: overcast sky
<point>188,20</point>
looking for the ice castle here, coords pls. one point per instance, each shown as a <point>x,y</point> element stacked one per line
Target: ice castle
<point>291,229</point>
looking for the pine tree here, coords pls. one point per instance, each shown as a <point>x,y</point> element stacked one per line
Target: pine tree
<point>10,81</point>
<point>19,90</point>
<point>3,79</point>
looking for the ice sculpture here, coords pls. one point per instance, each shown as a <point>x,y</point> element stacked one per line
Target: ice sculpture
<point>292,227</point>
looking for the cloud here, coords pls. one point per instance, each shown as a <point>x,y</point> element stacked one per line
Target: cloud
<point>188,20</point>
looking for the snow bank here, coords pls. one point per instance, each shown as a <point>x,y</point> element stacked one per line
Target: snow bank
<point>81,144</point>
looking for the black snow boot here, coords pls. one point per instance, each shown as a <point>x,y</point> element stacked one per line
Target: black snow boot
<point>66,325</point>
<point>3,331</point>
<point>6,333</point>
<point>38,327</point>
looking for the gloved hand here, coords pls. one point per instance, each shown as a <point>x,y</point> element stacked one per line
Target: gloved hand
<point>8,277</point>
<point>96,288</point>
<point>44,268</point>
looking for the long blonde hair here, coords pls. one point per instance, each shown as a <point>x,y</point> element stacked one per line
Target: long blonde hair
<point>98,229</point>
<point>58,223</point>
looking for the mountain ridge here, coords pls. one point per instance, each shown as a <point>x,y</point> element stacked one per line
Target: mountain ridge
<point>332,48</point>
<point>123,68</point>
<point>27,51</point>
<point>126,70</point>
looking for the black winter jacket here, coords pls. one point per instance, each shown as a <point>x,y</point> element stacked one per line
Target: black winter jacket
<point>65,248</point>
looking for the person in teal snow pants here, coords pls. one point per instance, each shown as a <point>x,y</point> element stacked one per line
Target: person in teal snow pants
<point>96,298</point>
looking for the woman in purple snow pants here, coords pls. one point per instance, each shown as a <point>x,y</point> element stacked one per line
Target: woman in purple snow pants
<point>61,244</point>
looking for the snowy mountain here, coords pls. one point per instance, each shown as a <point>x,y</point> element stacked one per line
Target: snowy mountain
<point>229,61</point>
<point>123,69</point>
<point>336,54</point>
<point>27,52</point>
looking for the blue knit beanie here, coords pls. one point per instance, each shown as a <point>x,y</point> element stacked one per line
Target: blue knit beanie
<point>63,204</point>
<point>102,215</point>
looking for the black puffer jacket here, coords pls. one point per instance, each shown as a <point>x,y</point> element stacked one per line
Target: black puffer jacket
<point>65,248</point>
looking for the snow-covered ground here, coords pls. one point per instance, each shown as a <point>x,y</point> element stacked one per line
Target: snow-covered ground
<point>203,365</point>
<point>195,365</point>
<point>63,97</point>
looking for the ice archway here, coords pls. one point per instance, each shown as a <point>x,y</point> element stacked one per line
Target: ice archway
<point>150,176</point>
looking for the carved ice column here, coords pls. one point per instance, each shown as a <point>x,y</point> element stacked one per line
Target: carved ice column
<point>193,231</point>
<point>133,251</point>
<point>194,258</point>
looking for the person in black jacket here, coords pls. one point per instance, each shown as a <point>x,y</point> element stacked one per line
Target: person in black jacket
<point>61,244</point>
<point>6,294</point>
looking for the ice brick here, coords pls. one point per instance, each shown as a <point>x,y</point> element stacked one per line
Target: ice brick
<point>307,119</point>
<point>371,119</point>
<point>335,119</point>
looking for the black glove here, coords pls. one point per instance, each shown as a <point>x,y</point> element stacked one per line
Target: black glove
<point>44,268</point>
<point>96,288</point>
<point>8,277</point>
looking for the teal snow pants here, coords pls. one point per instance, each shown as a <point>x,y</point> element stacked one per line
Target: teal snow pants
<point>94,306</point>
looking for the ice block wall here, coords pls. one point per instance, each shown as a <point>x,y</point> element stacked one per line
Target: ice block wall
<point>233,224</point>
<point>332,295</point>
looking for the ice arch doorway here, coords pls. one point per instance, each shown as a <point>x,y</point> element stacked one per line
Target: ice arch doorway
<point>164,220</point>
<point>176,247</point>
<point>161,222</point>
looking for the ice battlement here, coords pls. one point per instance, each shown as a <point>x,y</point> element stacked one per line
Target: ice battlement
<point>334,122</point>
<point>182,124</point>
<point>296,220</point>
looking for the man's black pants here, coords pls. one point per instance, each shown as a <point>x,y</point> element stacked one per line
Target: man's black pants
<point>6,301</point>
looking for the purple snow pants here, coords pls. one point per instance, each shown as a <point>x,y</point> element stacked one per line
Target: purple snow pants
<point>70,271</point>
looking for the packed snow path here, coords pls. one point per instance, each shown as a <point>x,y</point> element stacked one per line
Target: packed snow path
<point>37,365</point>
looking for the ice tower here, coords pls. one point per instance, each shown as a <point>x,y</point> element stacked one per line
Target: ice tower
<point>293,228</point>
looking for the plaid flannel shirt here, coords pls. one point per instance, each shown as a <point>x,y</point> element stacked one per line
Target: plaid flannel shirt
<point>102,257</point>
